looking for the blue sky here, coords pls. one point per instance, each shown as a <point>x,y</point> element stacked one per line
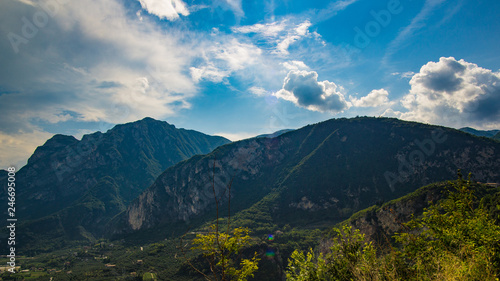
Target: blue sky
<point>241,68</point>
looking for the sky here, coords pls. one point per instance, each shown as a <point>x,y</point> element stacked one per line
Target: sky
<point>242,68</point>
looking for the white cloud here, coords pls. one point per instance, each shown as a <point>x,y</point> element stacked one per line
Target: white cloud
<point>27,2</point>
<point>303,89</point>
<point>454,93</point>
<point>295,65</point>
<point>92,61</point>
<point>407,74</point>
<point>208,72</point>
<point>332,10</point>
<point>373,99</point>
<point>169,9</point>
<point>392,113</point>
<point>221,59</point>
<point>272,29</point>
<point>117,63</point>
<point>279,34</point>
<point>258,91</point>
<point>282,47</point>
<point>236,54</point>
<point>235,6</point>
<point>303,28</point>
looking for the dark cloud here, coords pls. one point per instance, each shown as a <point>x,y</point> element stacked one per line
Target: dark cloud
<point>445,76</point>
<point>454,93</point>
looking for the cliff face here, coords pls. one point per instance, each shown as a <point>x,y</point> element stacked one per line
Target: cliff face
<point>379,223</point>
<point>320,173</point>
<point>186,191</point>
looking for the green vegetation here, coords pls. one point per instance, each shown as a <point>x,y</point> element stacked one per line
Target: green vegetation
<point>464,221</point>
<point>292,191</point>
<point>87,182</point>
<point>454,239</point>
<point>222,251</point>
<point>349,258</point>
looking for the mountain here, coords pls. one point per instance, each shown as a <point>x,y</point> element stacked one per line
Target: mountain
<point>497,136</point>
<point>315,176</point>
<point>73,187</point>
<point>480,133</point>
<point>380,222</point>
<point>275,134</point>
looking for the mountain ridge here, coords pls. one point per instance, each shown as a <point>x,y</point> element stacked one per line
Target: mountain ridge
<point>312,173</point>
<point>480,133</point>
<point>121,163</point>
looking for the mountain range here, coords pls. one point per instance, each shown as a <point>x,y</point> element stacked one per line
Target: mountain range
<point>149,175</point>
<point>481,133</point>
<point>71,188</point>
<point>147,181</point>
<point>315,176</point>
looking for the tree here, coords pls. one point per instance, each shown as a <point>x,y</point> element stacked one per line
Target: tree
<point>223,249</point>
<point>453,239</point>
<point>349,258</point>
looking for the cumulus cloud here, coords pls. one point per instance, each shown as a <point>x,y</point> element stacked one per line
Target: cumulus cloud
<point>169,9</point>
<point>373,99</point>
<point>392,113</point>
<point>304,89</point>
<point>454,93</point>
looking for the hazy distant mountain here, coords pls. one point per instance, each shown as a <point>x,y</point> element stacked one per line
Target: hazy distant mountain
<point>480,133</point>
<point>321,173</point>
<point>275,134</point>
<point>71,187</point>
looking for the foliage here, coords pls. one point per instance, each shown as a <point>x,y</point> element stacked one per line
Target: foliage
<point>348,258</point>
<point>453,240</point>
<point>222,250</point>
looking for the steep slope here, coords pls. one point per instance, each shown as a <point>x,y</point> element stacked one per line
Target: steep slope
<point>319,174</point>
<point>88,182</point>
<point>380,222</point>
